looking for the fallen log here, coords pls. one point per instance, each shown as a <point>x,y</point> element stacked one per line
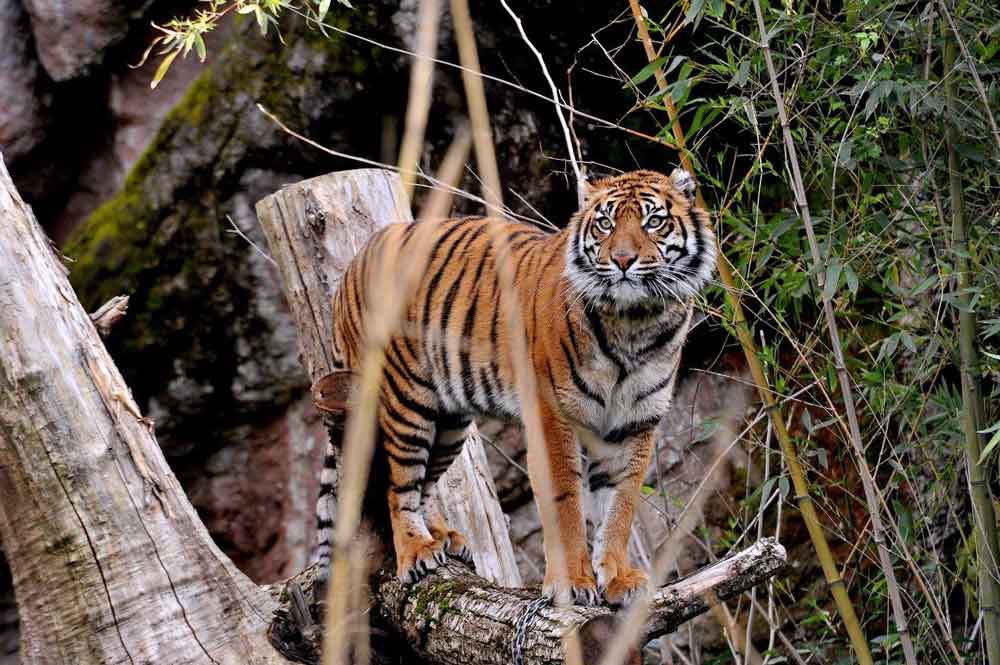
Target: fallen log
<point>453,616</point>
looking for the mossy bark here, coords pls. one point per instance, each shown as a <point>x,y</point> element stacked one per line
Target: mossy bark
<point>207,340</point>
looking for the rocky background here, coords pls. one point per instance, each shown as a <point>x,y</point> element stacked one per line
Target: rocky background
<point>144,192</point>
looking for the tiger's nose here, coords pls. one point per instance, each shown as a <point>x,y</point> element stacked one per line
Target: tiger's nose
<point>624,259</point>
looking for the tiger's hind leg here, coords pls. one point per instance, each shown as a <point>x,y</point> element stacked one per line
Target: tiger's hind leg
<point>406,436</point>
<point>451,433</point>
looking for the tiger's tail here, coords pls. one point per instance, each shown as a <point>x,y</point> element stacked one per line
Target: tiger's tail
<point>326,507</point>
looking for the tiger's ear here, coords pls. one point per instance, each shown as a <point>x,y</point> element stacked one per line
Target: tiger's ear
<point>587,188</point>
<point>683,182</point>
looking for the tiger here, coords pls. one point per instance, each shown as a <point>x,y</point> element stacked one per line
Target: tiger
<point>606,304</point>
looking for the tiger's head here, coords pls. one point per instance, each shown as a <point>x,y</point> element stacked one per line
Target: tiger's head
<point>639,237</point>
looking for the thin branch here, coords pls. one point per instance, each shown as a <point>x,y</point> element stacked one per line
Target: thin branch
<point>421,81</point>
<point>475,95</point>
<point>555,96</point>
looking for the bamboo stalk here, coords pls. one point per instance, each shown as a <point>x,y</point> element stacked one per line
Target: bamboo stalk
<point>971,64</point>
<point>802,497</point>
<point>475,95</point>
<point>847,393</point>
<point>987,553</point>
<point>871,496</point>
<point>419,104</point>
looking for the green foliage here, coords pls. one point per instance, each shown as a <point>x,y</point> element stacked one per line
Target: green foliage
<point>181,35</point>
<point>863,85</point>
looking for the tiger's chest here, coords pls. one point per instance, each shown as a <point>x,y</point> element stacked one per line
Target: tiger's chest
<point>623,376</point>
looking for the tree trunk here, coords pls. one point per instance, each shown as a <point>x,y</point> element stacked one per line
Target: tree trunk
<point>110,562</point>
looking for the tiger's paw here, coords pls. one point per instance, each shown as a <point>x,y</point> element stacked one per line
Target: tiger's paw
<point>580,589</point>
<point>456,546</point>
<point>619,583</point>
<point>418,558</point>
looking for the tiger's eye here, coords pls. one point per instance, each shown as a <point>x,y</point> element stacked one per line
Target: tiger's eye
<point>603,223</point>
<point>655,222</point>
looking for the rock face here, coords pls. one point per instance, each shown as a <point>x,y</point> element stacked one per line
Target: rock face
<point>258,494</point>
<point>22,113</point>
<point>72,36</point>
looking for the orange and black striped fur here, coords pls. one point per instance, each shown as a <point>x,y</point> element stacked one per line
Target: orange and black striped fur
<point>606,304</point>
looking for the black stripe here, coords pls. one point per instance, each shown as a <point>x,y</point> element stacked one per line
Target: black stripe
<point>668,333</point>
<point>468,377</point>
<point>406,488</point>
<point>526,254</point>
<point>405,460</point>
<point>330,462</point>
<point>326,489</point>
<point>399,419</point>
<point>572,337</point>
<point>660,385</point>
<point>436,279</point>
<point>493,406</point>
<point>410,441</point>
<point>447,309</point>
<point>323,523</point>
<point>534,295</point>
<point>597,327</point>
<point>406,401</point>
<point>452,421</point>
<point>619,434</point>
<point>394,356</point>
<point>642,310</point>
<point>407,235</point>
<point>578,380</point>
<point>699,243</point>
<point>599,480</point>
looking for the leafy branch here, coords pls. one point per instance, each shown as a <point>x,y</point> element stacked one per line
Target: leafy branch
<point>182,35</point>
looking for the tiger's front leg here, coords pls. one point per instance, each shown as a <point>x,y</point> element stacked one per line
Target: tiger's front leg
<point>617,480</point>
<point>569,577</point>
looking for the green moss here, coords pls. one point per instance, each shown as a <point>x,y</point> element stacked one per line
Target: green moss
<point>433,601</point>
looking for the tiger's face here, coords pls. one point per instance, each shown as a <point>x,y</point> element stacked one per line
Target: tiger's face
<point>640,238</point>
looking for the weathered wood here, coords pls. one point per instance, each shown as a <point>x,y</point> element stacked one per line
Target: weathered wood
<point>108,314</point>
<point>314,229</point>
<point>453,617</point>
<point>110,562</point>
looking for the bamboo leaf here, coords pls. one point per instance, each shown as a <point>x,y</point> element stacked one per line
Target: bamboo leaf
<point>324,7</point>
<point>199,45</point>
<point>145,54</point>
<point>161,71</point>
<point>832,279</point>
<point>643,74</point>
<point>994,440</point>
